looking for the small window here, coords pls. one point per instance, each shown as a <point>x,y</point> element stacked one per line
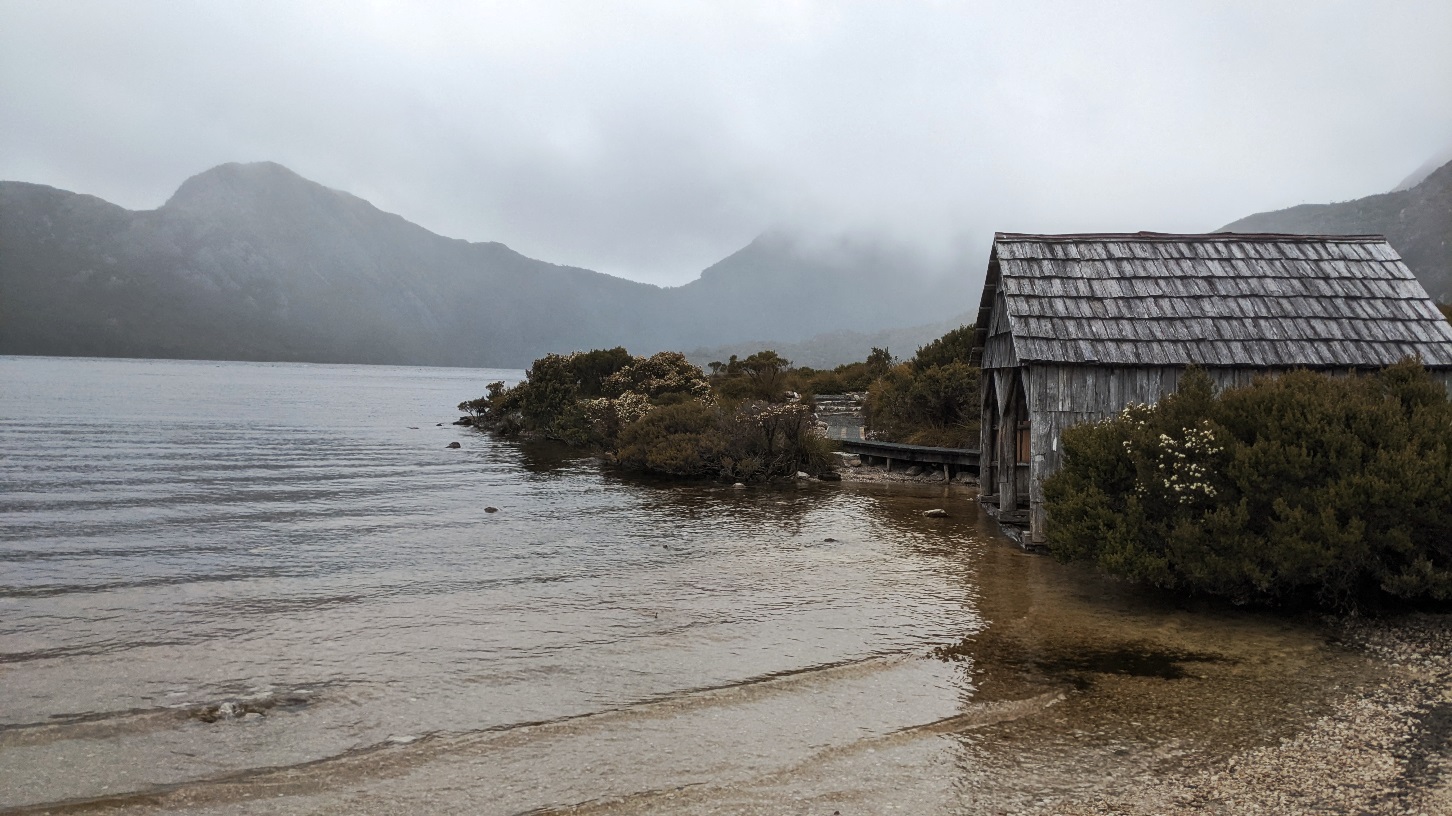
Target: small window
<point>1024,445</point>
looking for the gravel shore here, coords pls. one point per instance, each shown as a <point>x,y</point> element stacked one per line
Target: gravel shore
<point>1383,749</point>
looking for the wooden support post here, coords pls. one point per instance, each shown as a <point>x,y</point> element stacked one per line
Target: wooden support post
<point>888,459</point>
<point>947,477</point>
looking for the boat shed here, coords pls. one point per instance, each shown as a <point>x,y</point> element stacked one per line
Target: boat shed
<point>1073,328</point>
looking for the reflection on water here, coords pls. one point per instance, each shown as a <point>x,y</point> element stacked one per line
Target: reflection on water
<point>225,593</point>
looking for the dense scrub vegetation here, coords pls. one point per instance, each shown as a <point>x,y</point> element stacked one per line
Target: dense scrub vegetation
<point>751,419</point>
<point>739,376</point>
<point>931,399</point>
<point>1303,489</point>
<point>660,414</point>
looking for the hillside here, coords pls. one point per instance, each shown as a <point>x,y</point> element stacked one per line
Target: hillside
<point>831,349</point>
<point>253,262</point>
<point>1417,222</point>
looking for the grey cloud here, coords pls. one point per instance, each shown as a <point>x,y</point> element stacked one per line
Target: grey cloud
<point>649,140</point>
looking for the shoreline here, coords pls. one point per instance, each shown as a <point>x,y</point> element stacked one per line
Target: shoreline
<point>1384,748</point>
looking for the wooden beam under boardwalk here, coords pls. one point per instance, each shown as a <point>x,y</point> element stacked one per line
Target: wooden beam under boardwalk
<point>965,458</point>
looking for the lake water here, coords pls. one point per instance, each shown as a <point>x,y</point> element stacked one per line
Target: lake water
<point>272,588</point>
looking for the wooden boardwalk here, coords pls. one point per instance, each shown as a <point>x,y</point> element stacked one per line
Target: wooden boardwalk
<point>894,452</point>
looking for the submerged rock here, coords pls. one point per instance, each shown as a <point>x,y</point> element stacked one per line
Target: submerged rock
<point>830,476</point>
<point>455,445</point>
<point>491,509</point>
<point>936,512</point>
<point>739,484</point>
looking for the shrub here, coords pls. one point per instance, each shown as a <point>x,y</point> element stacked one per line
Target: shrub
<point>585,397</point>
<point>659,414</point>
<point>762,376</point>
<point>677,440</point>
<point>952,347</point>
<point>935,405</point>
<point>756,440</point>
<point>659,376</point>
<point>1302,489</point>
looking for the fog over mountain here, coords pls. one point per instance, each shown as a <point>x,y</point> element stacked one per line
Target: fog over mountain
<point>837,169</point>
<point>649,139</point>
<point>1416,221</point>
<point>834,348</point>
<point>253,262</point>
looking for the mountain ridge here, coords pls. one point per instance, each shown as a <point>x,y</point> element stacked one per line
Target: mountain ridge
<point>253,261</point>
<point>1416,221</point>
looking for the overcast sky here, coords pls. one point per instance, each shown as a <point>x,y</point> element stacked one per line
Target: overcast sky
<point>649,140</point>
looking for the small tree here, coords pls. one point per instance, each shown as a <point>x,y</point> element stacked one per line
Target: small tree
<point>879,362</point>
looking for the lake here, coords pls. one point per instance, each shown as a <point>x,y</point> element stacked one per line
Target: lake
<point>273,588</point>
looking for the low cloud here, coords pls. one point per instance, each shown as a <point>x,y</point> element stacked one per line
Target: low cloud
<point>649,140</point>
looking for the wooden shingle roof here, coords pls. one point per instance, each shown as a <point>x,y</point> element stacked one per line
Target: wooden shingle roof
<point>1224,299</point>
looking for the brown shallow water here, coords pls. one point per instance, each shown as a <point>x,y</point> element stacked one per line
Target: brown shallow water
<point>272,614</point>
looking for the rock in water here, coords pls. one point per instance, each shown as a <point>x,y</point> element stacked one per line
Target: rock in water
<point>739,484</point>
<point>936,512</point>
<point>915,470</point>
<point>491,509</point>
<point>455,445</point>
<point>830,476</point>
<point>802,474</point>
<point>463,421</point>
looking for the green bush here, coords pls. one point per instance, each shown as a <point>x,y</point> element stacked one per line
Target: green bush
<point>1301,489</point>
<point>659,414</point>
<point>676,440</point>
<point>765,375</point>
<point>952,347</point>
<point>932,405</point>
<point>750,442</point>
<point>761,376</point>
<point>580,398</point>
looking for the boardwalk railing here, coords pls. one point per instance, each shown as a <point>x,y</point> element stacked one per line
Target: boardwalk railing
<point>890,452</point>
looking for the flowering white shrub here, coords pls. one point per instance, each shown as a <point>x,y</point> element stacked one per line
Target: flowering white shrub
<point>668,372</point>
